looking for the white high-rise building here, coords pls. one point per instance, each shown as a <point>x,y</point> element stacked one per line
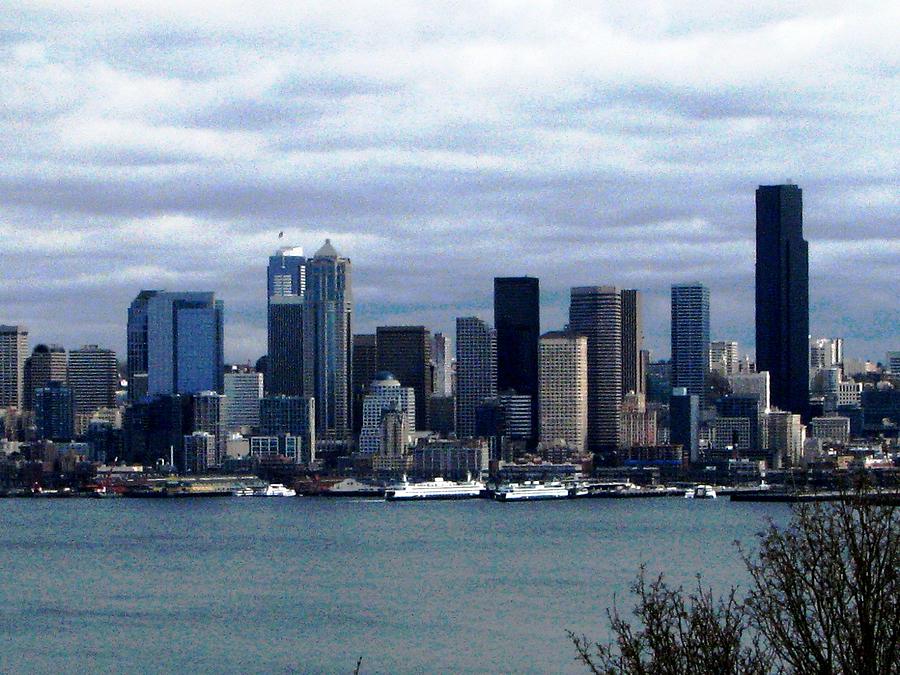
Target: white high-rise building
<point>723,357</point>
<point>13,352</point>
<point>476,370</point>
<point>786,436</point>
<point>242,394</point>
<point>563,400</point>
<point>443,375</point>
<point>385,394</point>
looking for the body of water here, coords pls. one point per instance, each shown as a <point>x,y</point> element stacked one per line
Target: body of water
<point>309,585</point>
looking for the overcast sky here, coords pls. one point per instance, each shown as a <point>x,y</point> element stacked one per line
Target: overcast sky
<point>154,145</point>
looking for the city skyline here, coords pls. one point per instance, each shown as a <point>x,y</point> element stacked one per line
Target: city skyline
<point>576,145</point>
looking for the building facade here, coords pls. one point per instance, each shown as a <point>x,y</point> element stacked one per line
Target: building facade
<point>476,370</point>
<point>405,351</point>
<point>46,364</point>
<point>93,376</point>
<point>243,392</point>
<point>596,312</point>
<point>690,338</point>
<point>386,394</point>
<point>634,376</point>
<point>723,357</point>
<point>563,382</point>
<point>517,320</point>
<point>13,352</point>
<point>782,295</point>
<point>137,357</point>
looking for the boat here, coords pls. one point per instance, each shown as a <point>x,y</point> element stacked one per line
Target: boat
<point>529,490</point>
<point>700,492</point>
<point>244,491</point>
<point>435,489</point>
<point>278,490</point>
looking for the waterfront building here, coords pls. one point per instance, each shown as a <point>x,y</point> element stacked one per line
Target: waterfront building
<point>831,429</point>
<point>684,421</point>
<point>137,357</point>
<point>243,392</point>
<point>596,312</point>
<point>476,370</point>
<point>452,460</point>
<point>563,388</point>
<point>634,357</point>
<point>13,352</point>
<point>185,343</point>
<point>443,361</point>
<point>385,394</point>
<point>54,412</point>
<point>782,295</point>
<point>293,448</point>
<point>365,367</point>
<point>328,344</point>
<point>46,364</point>
<point>724,358</point>
<point>690,338</point>
<point>405,351</point>
<point>517,320</point>
<point>93,377</point>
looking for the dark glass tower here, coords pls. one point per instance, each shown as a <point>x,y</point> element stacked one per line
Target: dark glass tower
<point>285,289</point>
<point>690,338</point>
<point>405,351</point>
<point>517,319</point>
<point>782,295</point>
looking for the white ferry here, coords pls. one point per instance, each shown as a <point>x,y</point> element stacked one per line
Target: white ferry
<point>279,490</point>
<point>434,489</point>
<point>700,492</point>
<point>531,490</point>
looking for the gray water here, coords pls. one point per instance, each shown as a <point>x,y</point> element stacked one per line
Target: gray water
<point>309,585</point>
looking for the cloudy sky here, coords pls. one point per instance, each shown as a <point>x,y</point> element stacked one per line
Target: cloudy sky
<point>165,145</point>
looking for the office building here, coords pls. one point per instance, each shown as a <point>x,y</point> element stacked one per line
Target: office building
<point>365,367</point>
<point>563,383</point>
<point>328,342</point>
<point>517,320</point>
<point>786,435</point>
<point>476,370</point>
<point>690,338</point>
<point>137,357</point>
<point>684,422</point>
<point>54,412</point>
<point>405,351</point>
<point>723,357</point>
<point>46,364</point>
<point>517,414</point>
<point>385,394</point>
<point>752,384</point>
<point>284,365</point>
<point>634,358</point>
<point>443,362</point>
<point>242,394</point>
<point>744,406</point>
<point>13,352</point>
<point>831,429</point>
<point>207,414</point>
<point>452,460</point>
<point>782,295</point>
<point>93,377</point>
<point>185,342</point>
<point>596,312</point>
<point>290,416</point>
<point>286,273</point>
<point>200,452</point>
<point>892,362</point>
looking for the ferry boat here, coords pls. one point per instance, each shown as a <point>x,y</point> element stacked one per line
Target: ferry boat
<point>435,489</point>
<point>700,492</point>
<point>244,491</point>
<point>278,490</point>
<point>531,490</point>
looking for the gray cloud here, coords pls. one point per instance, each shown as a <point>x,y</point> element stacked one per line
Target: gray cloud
<point>440,145</point>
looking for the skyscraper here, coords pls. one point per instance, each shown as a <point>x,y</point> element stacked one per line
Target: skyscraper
<point>684,421</point>
<point>634,378</point>
<point>328,342</point>
<point>242,394</point>
<point>284,366</point>
<point>385,394</point>
<point>405,351</point>
<point>782,295</point>
<point>53,412</point>
<point>564,389</point>
<point>517,318</point>
<point>45,365</point>
<point>286,288</point>
<point>136,359</point>
<point>13,352</point>
<point>596,312</point>
<point>723,357</point>
<point>440,356</point>
<point>690,338</point>
<point>93,377</point>
<point>476,370</point>
<point>185,335</point>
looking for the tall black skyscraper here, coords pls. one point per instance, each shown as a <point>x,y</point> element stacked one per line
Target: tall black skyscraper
<point>782,295</point>
<point>517,319</point>
<point>286,289</point>
<point>405,351</point>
